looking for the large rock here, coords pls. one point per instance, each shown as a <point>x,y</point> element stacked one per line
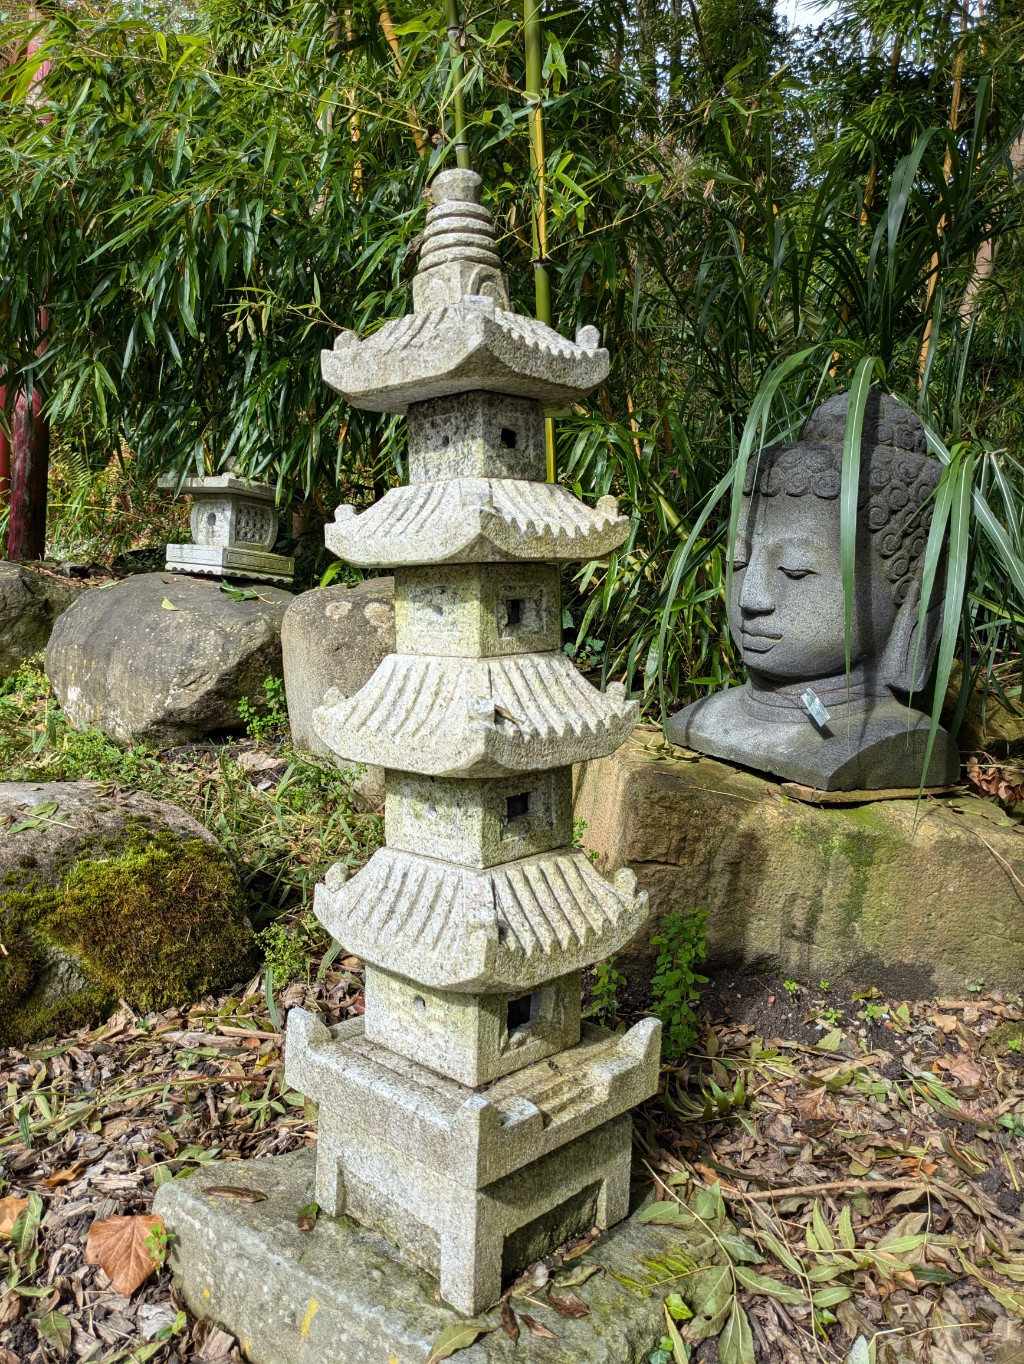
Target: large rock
<point>164,659</point>
<point>104,898</point>
<point>30,602</point>
<point>915,899</point>
<point>335,637</point>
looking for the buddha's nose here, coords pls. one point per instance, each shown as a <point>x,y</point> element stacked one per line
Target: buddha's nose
<point>755,595</point>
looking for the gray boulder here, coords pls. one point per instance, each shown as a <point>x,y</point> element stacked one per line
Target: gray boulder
<point>30,602</point>
<point>335,637</point>
<point>164,659</point>
<point>105,897</point>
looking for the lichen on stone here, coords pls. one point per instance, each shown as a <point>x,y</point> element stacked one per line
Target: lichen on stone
<point>154,921</point>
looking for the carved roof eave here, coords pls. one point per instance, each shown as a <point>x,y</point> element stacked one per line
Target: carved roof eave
<point>217,485</point>
<point>476,520</point>
<point>464,717</point>
<point>511,927</point>
<point>471,345</point>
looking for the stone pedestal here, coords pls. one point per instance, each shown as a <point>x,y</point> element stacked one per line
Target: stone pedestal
<point>234,526</point>
<point>338,1293</point>
<point>915,899</point>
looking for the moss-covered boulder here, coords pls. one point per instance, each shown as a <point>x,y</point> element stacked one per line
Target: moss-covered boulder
<point>105,897</point>
<point>913,898</point>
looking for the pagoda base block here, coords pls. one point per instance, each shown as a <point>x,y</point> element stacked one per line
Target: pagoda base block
<point>341,1293</point>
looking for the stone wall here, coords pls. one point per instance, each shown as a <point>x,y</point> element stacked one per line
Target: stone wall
<point>916,899</point>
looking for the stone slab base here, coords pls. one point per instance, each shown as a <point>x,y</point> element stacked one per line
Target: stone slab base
<point>915,899</point>
<point>340,1293</point>
<point>230,562</point>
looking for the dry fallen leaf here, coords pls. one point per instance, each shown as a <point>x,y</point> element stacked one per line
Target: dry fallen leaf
<point>67,1176</point>
<point>568,1304</point>
<point>119,1246</point>
<point>538,1328</point>
<point>8,1356</point>
<point>508,1321</point>
<point>10,1207</point>
<point>238,1191</point>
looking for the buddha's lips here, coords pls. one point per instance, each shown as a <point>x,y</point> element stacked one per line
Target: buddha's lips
<point>758,643</point>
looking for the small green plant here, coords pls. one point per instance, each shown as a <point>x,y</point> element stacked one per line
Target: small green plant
<point>680,942</point>
<point>791,987</point>
<point>604,991</point>
<point>579,828</point>
<point>289,948</point>
<point>1013,1124</point>
<point>263,720</point>
<point>824,985</point>
<point>1015,1044</point>
<point>158,1243</point>
<point>975,987</point>
<point>832,1016</point>
<point>874,1013</point>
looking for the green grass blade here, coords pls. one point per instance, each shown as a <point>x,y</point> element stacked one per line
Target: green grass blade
<point>849,492</point>
<point>957,560</point>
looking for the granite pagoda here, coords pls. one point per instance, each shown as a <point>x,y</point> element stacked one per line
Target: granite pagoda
<point>470,1117</point>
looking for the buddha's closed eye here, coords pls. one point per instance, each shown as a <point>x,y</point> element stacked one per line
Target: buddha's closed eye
<point>796,573</point>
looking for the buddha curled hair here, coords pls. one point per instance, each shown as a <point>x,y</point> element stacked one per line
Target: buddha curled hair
<point>897,478</point>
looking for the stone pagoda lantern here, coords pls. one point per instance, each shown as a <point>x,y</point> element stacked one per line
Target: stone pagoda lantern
<point>470,1117</point>
<point>234,527</point>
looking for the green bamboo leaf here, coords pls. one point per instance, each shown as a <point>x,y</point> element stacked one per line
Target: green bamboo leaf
<point>772,1288</point>
<point>455,1338</point>
<point>860,388</point>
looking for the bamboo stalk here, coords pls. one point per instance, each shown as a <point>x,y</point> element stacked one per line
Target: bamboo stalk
<point>541,280</point>
<point>458,73</point>
<point>947,165</point>
<point>388,29</point>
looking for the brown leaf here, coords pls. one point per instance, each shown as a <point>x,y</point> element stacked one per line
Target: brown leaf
<point>508,1321</point>
<point>10,1307</point>
<point>118,1246</point>
<point>8,1356</point>
<point>10,1207</point>
<point>568,1304</point>
<point>306,1219</point>
<point>537,1327</point>
<point>239,1191</point>
<point>66,1176</point>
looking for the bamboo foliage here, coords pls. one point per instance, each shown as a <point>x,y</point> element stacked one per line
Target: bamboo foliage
<point>748,217</point>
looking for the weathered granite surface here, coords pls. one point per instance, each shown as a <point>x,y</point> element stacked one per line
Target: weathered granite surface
<point>799,715</point>
<point>339,1293</point>
<point>121,661</point>
<point>335,638</point>
<point>30,603</point>
<point>914,899</point>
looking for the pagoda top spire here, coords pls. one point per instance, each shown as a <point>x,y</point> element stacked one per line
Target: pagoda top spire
<point>458,255</point>
<point>462,334</point>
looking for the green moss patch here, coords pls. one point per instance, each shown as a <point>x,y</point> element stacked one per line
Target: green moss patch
<point>159,922</point>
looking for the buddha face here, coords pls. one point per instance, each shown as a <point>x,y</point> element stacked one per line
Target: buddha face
<point>787,613</point>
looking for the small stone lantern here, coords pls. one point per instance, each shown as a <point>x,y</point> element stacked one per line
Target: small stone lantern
<point>234,526</point>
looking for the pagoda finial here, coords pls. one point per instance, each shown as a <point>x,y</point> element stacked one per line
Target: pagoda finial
<point>458,257</point>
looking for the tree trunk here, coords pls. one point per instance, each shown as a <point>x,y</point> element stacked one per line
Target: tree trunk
<point>30,457</point>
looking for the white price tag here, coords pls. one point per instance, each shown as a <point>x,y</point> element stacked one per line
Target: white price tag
<point>815,709</point>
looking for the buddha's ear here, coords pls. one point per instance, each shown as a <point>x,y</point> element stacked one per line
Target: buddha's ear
<point>897,668</point>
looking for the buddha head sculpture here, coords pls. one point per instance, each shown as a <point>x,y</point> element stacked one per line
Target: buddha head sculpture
<point>799,715</point>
